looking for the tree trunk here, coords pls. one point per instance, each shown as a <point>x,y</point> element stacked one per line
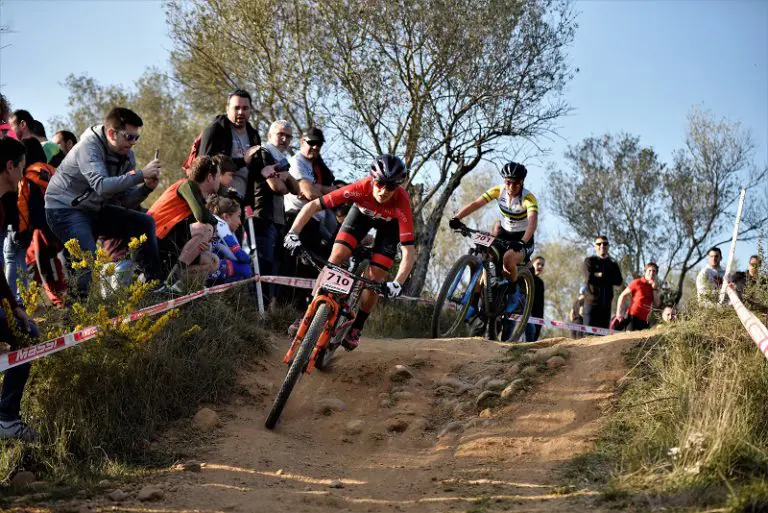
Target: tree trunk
<point>426,233</point>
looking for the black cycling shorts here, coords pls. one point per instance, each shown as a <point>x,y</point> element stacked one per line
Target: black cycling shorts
<point>511,236</point>
<point>357,225</point>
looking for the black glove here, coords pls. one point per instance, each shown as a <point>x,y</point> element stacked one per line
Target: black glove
<point>455,223</point>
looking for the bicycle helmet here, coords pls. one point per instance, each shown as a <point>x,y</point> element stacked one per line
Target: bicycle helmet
<point>388,169</point>
<point>514,171</point>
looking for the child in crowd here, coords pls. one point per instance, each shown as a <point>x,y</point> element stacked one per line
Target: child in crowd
<point>234,262</point>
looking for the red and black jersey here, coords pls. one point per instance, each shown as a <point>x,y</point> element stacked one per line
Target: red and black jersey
<point>361,194</point>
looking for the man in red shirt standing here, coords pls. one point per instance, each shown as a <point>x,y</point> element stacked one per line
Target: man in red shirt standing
<point>645,294</point>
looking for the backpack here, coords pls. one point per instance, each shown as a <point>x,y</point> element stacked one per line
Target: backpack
<point>39,174</point>
<point>193,151</point>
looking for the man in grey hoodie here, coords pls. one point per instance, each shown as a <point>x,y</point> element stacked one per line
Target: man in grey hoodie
<point>97,187</point>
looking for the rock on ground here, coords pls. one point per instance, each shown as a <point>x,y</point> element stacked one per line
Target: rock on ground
<point>495,384</point>
<point>487,399</point>
<point>397,425</point>
<point>206,420</point>
<point>22,480</point>
<point>150,493</point>
<point>192,466</point>
<point>328,405</point>
<point>529,372</point>
<point>512,389</point>
<point>354,427</point>
<point>400,374</point>
<point>117,495</point>
<point>555,362</point>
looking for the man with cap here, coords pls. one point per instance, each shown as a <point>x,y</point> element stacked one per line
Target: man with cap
<point>315,180</point>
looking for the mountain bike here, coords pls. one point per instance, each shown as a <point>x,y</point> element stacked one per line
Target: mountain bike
<point>357,264</point>
<point>478,272</point>
<point>323,326</point>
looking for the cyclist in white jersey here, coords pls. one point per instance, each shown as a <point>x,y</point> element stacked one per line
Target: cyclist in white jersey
<point>518,212</point>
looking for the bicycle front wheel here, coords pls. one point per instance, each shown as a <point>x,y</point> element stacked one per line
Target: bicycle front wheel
<point>450,316</point>
<point>300,361</point>
<point>525,292</point>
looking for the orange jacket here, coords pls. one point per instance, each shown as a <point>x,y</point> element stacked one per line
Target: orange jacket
<point>169,210</point>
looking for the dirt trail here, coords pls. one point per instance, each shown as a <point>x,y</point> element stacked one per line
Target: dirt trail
<point>392,458</point>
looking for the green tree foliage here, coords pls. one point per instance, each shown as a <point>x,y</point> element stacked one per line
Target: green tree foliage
<point>613,188</point>
<point>445,91</point>
<point>168,122</point>
<point>650,211</point>
<point>703,188</point>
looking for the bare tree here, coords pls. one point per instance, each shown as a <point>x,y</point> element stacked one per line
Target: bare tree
<point>444,83</point>
<point>702,190</point>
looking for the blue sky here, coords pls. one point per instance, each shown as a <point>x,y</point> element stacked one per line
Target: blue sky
<point>643,66</point>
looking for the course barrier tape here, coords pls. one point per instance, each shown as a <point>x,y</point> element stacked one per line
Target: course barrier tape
<point>28,354</point>
<point>756,329</point>
<point>54,345</point>
<point>592,330</point>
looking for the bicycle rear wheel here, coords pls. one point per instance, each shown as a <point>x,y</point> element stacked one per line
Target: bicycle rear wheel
<point>300,360</point>
<point>453,301</point>
<point>525,289</point>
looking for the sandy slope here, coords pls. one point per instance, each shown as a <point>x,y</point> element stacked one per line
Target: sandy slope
<point>397,462</point>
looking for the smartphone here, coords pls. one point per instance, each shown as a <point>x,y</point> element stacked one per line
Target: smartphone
<point>157,154</point>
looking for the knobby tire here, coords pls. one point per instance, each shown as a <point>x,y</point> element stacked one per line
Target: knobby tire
<point>524,281</point>
<point>457,268</point>
<point>300,360</point>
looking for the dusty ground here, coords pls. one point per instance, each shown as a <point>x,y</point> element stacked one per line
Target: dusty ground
<point>383,448</point>
<point>353,440</point>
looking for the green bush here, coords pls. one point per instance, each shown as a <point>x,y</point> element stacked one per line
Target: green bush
<point>99,407</point>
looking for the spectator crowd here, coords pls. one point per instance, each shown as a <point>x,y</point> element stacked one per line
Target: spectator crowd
<point>87,188</point>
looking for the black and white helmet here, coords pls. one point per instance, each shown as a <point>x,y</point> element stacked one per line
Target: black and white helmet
<point>388,169</point>
<point>514,171</point>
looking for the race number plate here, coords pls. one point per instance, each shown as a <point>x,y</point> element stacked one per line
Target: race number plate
<point>481,239</point>
<point>336,281</point>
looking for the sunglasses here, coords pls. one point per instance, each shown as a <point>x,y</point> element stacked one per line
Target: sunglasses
<point>387,185</point>
<point>129,137</point>
<point>602,244</point>
<point>314,144</point>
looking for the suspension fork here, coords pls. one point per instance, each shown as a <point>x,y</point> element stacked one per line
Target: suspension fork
<point>322,341</point>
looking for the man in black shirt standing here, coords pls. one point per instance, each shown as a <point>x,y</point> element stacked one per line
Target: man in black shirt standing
<point>532,331</point>
<point>601,274</point>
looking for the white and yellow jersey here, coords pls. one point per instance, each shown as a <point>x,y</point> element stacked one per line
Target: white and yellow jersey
<point>514,210</point>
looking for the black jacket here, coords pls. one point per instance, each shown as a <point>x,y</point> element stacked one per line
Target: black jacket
<point>600,289</point>
<point>258,194</point>
<point>217,139</point>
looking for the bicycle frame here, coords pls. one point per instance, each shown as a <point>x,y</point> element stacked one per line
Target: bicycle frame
<point>322,342</point>
<point>334,305</point>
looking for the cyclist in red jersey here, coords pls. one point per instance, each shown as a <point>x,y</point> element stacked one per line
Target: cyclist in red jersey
<point>378,201</point>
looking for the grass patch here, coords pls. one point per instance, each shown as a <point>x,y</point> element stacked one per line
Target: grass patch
<point>691,421</point>
<point>100,408</point>
<point>400,319</point>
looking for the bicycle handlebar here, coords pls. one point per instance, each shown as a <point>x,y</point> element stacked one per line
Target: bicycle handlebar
<point>466,231</point>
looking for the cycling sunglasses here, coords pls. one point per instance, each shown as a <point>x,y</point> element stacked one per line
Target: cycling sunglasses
<point>390,186</point>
